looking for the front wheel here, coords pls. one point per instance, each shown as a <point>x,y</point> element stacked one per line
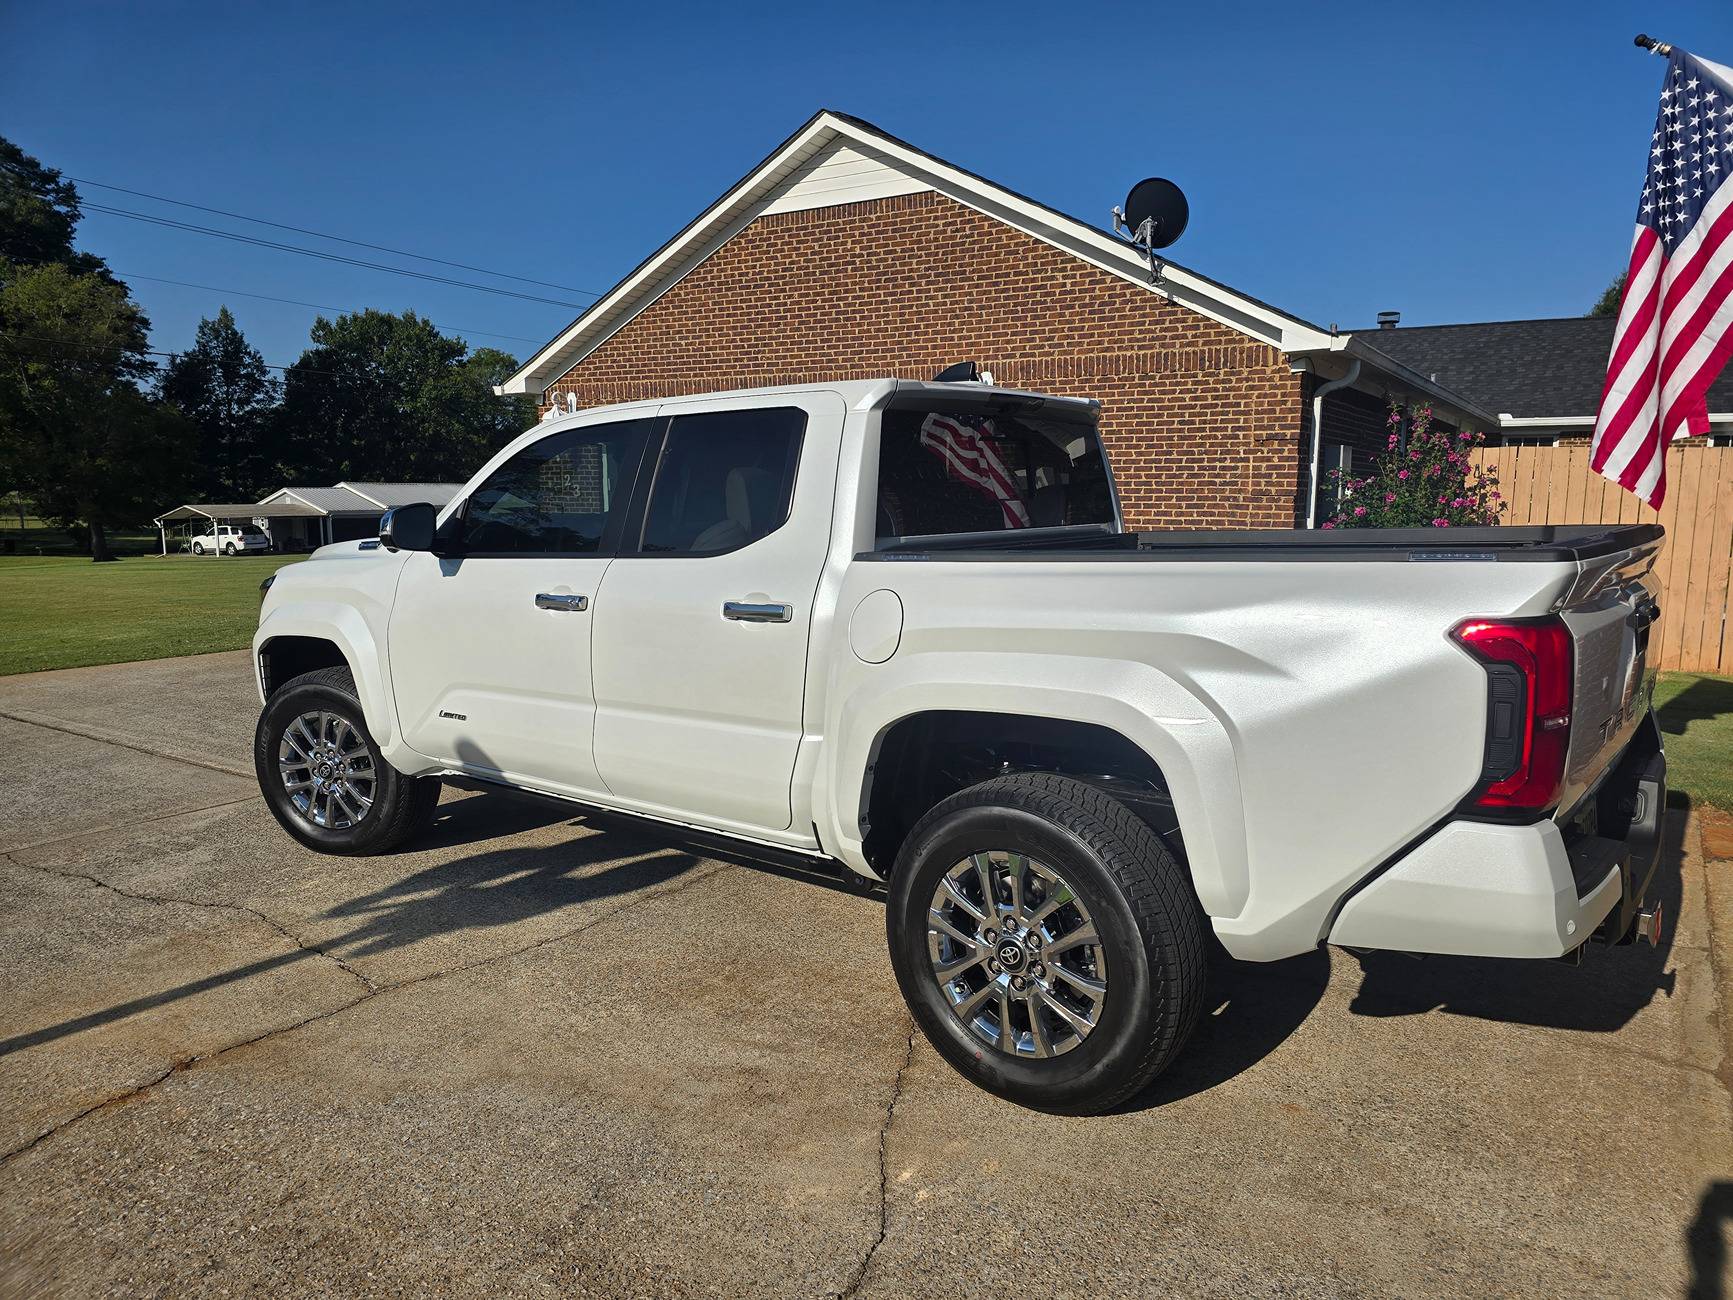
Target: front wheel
<point>322,775</point>
<point>1047,943</point>
<point>198,548</point>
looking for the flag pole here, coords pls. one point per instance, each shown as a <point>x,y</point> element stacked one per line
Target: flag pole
<point>1653,46</point>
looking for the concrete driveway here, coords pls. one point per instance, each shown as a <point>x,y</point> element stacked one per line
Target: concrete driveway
<point>534,1057</point>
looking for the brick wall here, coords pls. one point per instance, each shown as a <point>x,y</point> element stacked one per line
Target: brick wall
<point>572,481</point>
<point>1202,424</point>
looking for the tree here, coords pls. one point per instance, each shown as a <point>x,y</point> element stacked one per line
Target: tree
<point>1608,303</point>
<point>221,385</point>
<point>385,396</point>
<point>39,215</point>
<point>1433,484</point>
<point>76,434</point>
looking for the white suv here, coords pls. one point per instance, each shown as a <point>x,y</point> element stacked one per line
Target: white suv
<point>231,539</point>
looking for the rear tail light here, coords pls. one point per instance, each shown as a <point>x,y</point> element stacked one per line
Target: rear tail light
<point>1530,666</point>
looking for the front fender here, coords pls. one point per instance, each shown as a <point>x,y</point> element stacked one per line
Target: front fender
<point>1153,711</point>
<point>344,627</point>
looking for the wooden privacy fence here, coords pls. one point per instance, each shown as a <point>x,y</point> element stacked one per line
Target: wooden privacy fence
<point>1554,485</point>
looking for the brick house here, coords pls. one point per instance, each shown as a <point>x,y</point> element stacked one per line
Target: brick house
<point>848,253</point>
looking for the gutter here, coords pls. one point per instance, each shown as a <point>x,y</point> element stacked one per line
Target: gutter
<point>1318,396</point>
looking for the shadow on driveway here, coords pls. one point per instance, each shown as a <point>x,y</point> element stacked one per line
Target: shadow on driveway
<point>484,890</point>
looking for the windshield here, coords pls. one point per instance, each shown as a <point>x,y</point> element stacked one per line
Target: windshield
<point>971,471</point>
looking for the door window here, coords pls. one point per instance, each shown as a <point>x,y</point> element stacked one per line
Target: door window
<point>562,495</point>
<point>724,480</point>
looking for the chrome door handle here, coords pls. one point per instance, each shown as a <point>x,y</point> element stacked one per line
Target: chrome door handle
<point>742,611</point>
<point>549,600</point>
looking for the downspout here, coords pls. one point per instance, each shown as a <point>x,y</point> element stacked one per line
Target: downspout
<point>1318,396</point>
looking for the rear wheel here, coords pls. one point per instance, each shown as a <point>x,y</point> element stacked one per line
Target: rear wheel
<point>321,773</point>
<point>1047,942</point>
<point>229,549</point>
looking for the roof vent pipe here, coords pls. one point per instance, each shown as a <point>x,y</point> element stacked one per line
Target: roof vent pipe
<point>1389,320</point>
<point>1318,433</point>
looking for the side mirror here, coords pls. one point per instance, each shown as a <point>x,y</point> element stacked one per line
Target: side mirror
<point>408,528</point>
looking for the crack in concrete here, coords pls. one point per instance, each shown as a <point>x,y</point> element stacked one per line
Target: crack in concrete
<point>173,900</point>
<point>48,722</point>
<point>183,1063</point>
<point>117,828</point>
<point>865,1266</point>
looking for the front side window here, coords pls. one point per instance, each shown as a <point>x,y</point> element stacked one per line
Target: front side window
<point>976,471</point>
<point>724,481</point>
<point>556,496</point>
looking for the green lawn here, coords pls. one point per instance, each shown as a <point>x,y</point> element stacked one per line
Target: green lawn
<point>1696,713</point>
<point>65,612</point>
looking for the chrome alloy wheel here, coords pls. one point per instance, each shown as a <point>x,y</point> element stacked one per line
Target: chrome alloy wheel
<point>1016,954</point>
<point>326,770</point>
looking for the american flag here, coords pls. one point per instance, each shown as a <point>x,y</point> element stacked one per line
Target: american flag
<point>1673,337</point>
<point>966,447</point>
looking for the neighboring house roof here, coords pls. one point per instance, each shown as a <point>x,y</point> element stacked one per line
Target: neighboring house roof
<point>1532,370</point>
<point>388,496</point>
<point>326,500</point>
<point>835,158</point>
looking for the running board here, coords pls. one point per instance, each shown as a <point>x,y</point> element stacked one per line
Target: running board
<point>679,833</point>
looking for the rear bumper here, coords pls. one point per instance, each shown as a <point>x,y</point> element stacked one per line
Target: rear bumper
<point>1481,890</point>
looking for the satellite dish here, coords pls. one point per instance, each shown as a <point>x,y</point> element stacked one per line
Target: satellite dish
<point>1156,212</point>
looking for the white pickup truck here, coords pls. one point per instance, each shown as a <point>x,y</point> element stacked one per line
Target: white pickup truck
<point>898,629</point>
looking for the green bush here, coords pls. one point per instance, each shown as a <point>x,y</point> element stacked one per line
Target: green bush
<point>1434,485</point>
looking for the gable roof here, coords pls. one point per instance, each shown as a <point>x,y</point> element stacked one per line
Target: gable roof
<point>323,499</point>
<point>388,496</point>
<point>1534,370</point>
<point>835,154</point>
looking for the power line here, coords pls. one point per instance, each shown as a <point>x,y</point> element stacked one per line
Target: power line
<point>321,306</point>
<point>358,243</point>
<point>328,257</point>
<point>153,352</point>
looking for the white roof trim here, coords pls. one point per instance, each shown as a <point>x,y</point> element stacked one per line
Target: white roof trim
<point>290,492</point>
<point>350,487</point>
<point>748,199</point>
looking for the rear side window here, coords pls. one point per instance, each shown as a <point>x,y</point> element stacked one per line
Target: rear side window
<point>556,496</point>
<point>725,480</point>
<point>975,471</point>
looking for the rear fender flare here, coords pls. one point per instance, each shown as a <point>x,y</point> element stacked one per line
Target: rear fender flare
<point>1156,713</point>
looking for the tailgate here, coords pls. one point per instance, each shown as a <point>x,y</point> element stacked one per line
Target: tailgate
<point>1609,612</point>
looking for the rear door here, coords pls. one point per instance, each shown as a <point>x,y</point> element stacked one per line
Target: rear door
<point>701,624</point>
<point>490,647</point>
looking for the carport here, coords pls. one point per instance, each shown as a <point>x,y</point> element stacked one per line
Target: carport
<point>199,514</point>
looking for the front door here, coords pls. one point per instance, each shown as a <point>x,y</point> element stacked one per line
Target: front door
<point>490,647</point>
<point>701,623</point>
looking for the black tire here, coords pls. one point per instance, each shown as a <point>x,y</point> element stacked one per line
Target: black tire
<point>402,805</point>
<point>229,549</point>
<point>198,548</point>
<point>1150,924</point>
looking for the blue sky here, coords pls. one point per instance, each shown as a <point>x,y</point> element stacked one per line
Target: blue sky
<point>1456,162</point>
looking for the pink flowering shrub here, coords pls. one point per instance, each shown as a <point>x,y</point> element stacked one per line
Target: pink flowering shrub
<point>1434,485</point>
